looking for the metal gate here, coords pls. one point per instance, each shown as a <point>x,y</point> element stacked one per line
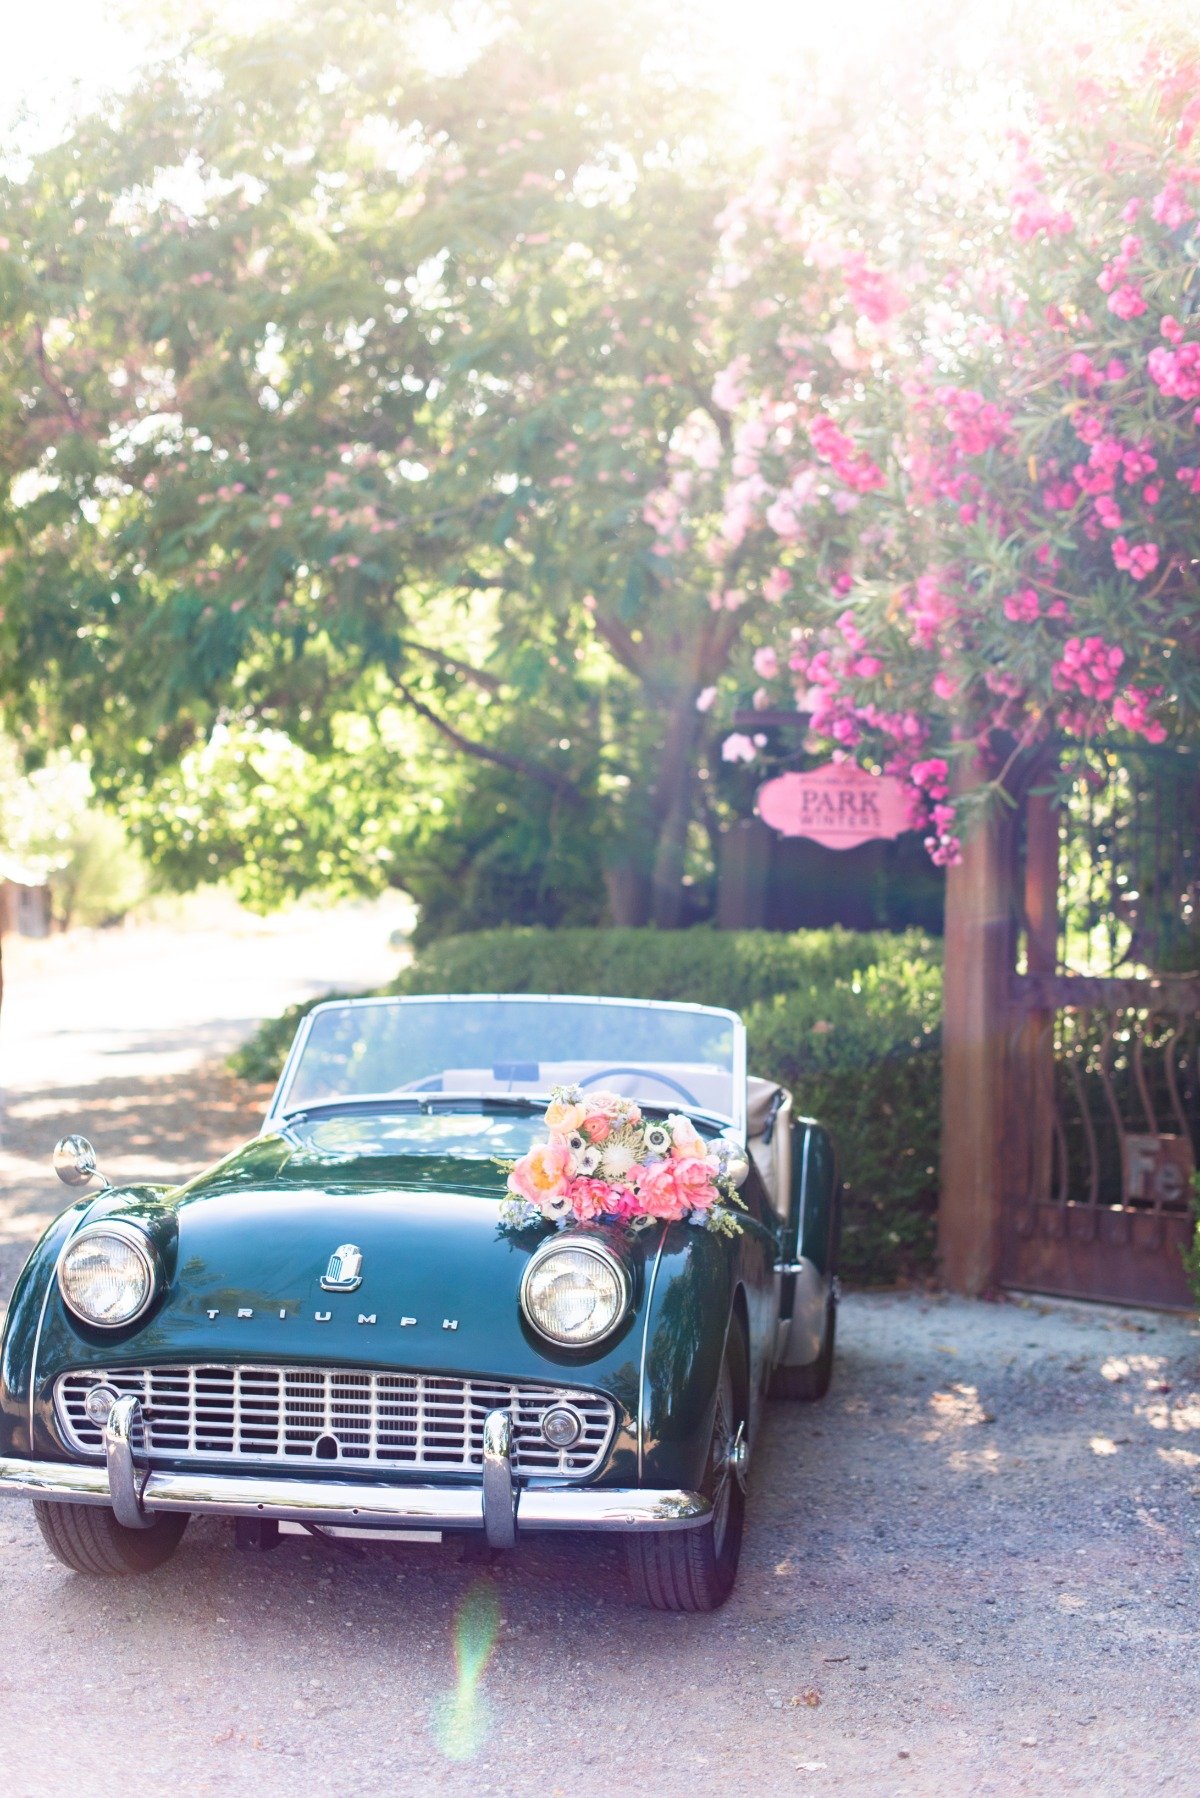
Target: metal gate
<point>1103,1062</point>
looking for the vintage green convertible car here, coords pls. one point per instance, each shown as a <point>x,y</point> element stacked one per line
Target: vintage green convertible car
<point>336,1328</point>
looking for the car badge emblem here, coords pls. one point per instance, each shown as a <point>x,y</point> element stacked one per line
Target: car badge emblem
<point>344,1273</point>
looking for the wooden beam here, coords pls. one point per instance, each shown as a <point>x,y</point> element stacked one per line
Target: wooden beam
<point>1084,992</point>
<point>980,913</point>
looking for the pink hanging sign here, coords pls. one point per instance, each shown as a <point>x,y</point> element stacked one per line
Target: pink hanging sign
<point>839,805</point>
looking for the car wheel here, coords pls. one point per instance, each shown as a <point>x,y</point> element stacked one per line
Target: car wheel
<point>811,1382</point>
<point>694,1570</point>
<point>88,1538</point>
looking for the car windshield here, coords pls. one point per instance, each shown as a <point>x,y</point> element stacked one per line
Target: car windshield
<point>678,1057</point>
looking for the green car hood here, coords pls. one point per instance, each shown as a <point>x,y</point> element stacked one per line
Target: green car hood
<point>245,1246</point>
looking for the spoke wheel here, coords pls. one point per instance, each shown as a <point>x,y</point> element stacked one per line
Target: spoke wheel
<point>694,1570</point>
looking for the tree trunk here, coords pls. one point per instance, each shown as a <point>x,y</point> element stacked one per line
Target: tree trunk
<point>672,810</point>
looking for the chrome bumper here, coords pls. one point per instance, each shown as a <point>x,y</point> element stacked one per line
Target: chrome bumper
<point>497,1506</point>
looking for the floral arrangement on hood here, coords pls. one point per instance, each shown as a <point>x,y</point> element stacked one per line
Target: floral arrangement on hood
<point>603,1161</point>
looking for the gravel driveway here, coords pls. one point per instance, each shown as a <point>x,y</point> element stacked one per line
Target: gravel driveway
<point>973,1569</point>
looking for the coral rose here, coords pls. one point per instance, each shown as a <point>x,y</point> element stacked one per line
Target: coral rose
<point>590,1198</point>
<point>694,1180</point>
<point>659,1194</point>
<point>597,1126</point>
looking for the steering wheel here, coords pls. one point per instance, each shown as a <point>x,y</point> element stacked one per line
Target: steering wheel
<point>641,1074</point>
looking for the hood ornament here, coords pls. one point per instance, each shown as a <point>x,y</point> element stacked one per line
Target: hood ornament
<point>344,1273</point>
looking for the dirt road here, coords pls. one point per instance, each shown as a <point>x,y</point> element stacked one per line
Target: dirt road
<point>974,1569</point>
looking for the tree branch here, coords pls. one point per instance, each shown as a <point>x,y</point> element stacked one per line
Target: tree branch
<point>477,676</point>
<point>620,640</point>
<point>54,386</point>
<point>483,752</point>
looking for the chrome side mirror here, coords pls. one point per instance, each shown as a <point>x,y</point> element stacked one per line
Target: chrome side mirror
<point>75,1161</point>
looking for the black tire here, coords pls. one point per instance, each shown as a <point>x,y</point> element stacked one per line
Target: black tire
<point>812,1382</point>
<point>88,1538</point>
<point>695,1570</point>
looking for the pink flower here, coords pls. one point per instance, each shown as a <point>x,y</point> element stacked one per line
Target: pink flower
<point>1022,607</point>
<point>541,1176</point>
<point>694,1182</point>
<point>945,686</point>
<point>1127,301</point>
<point>590,1198</point>
<point>1139,559</point>
<point>705,698</point>
<point>597,1126</point>
<point>777,585</point>
<point>766,663</point>
<point>738,748</point>
<point>728,390</point>
<point>658,1192</point>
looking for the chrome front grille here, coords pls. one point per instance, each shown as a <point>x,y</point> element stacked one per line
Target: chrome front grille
<point>285,1416</point>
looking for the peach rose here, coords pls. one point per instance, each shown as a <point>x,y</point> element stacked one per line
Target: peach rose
<point>596,1126</point>
<point>685,1139</point>
<point>562,1117</point>
<point>541,1175</point>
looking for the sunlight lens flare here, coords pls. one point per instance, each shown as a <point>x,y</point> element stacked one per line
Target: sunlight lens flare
<point>462,1717</point>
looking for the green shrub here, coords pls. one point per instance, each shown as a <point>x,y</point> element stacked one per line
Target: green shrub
<point>850,1022</point>
<point>733,968</point>
<point>864,1056</point>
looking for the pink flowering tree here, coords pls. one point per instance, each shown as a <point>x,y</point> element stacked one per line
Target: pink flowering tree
<point>981,458</point>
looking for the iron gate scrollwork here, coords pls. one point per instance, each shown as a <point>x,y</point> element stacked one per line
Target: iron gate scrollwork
<point>1103,1088</point>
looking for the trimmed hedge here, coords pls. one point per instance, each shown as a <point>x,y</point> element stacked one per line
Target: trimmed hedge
<point>849,1021</point>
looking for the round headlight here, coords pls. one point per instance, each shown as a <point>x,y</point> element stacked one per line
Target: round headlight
<point>107,1275</point>
<point>574,1292</point>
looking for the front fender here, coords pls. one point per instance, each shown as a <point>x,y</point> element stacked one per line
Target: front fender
<point>695,1285</point>
<point>23,1326</point>
<point>33,1293</point>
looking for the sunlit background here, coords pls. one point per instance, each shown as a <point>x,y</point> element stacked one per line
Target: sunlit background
<point>64,53</point>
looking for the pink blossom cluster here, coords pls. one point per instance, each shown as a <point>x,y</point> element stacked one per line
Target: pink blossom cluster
<point>1176,372</point>
<point>1140,559</point>
<point>1172,207</point>
<point>931,786</point>
<point>851,466</point>
<point>1035,216</point>
<point>1131,709</point>
<point>1022,607</point>
<point>1125,297</point>
<point>872,294</point>
<point>1089,666</point>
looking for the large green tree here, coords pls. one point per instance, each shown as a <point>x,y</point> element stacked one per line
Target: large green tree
<point>339,367</point>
